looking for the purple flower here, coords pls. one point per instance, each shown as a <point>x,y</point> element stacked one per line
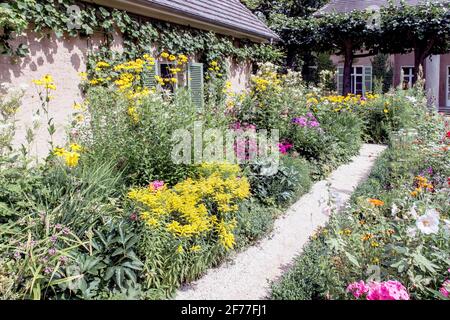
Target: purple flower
<point>314,124</point>
<point>66,231</point>
<point>63,259</point>
<point>301,121</point>
<point>53,238</point>
<point>58,227</point>
<point>52,251</point>
<point>48,270</point>
<point>17,255</point>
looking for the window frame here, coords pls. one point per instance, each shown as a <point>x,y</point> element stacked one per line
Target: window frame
<point>410,76</point>
<point>182,77</point>
<point>354,75</point>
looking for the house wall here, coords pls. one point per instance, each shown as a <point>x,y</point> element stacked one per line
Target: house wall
<point>445,63</point>
<point>64,59</point>
<point>239,75</point>
<point>401,60</point>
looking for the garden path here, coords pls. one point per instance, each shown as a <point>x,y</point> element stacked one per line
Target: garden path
<point>247,276</point>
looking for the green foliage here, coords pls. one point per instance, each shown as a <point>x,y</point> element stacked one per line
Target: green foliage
<point>141,150</point>
<point>384,241</point>
<point>111,266</point>
<point>290,181</point>
<point>255,220</point>
<point>139,35</point>
<point>383,72</point>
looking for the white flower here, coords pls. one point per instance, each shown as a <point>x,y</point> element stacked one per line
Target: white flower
<point>411,99</point>
<point>429,222</point>
<point>394,210</point>
<point>413,212</point>
<point>411,232</point>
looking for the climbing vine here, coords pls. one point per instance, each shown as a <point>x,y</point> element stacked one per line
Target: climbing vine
<point>140,34</point>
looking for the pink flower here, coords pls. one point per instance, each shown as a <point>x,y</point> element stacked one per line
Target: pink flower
<point>445,288</point>
<point>156,185</point>
<point>389,290</point>
<point>358,289</point>
<point>285,147</point>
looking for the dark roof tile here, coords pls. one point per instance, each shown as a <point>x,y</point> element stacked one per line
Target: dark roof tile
<point>350,5</point>
<point>231,14</point>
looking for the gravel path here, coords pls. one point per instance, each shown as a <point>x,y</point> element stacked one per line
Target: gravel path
<point>248,275</point>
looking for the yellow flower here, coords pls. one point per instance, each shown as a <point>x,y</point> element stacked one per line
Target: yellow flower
<point>71,158</point>
<point>79,118</point>
<point>59,152</point>
<point>182,58</point>
<point>195,248</point>
<point>214,63</point>
<point>75,147</point>
<point>102,64</point>
<point>83,75</point>
<point>375,244</point>
<point>174,80</point>
<point>172,58</point>
<point>386,111</point>
<point>165,55</point>
<point>180,249</point>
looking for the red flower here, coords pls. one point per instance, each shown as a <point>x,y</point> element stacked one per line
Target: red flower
<point>448,135</point>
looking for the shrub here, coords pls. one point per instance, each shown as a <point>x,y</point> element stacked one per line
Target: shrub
<point>141,149</point>
<point>291,180</point>
<point>190,226</point>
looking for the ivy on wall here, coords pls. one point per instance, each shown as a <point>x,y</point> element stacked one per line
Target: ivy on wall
<point>139,34</point>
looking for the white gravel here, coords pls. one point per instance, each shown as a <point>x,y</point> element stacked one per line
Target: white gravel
<point>248,275</point>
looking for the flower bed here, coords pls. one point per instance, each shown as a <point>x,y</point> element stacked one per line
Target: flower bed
<point>110,215</point>
<point>393,241</point>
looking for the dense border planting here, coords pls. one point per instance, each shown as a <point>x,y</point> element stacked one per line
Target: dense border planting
<point>392,242</point>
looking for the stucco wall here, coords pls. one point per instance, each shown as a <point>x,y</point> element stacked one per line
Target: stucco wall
<point>64,59</point>
<point>445,63</point>
<point>239,75</point>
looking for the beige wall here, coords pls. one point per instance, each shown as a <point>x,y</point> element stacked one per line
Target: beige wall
<point>64,59</point>
<point>239,75</point>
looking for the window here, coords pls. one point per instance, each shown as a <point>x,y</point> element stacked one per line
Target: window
<point>408,77</point>
<point>165,71</point>
<point>357,80</point>
<point>361,81</point>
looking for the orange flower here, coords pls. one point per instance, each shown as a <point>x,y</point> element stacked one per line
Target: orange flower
<point>376,202</point>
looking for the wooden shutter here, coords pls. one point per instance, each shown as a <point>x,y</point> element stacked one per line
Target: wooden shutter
<point>368,83</point>
<point>196,84</point>
<point>340,80</point>
<point>148,77</point>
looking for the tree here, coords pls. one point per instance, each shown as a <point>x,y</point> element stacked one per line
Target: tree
<point>423,29</point>
<point>279,15</point>
<point>347,34</point>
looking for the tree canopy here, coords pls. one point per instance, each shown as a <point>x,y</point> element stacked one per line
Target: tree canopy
<point>394,29</point>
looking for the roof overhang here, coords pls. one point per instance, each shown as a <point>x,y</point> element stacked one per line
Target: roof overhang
<point>165,13</point>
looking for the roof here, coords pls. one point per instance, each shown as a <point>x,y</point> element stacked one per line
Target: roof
<point>340,6</point>
<point>221,16</point>
<point>230,13</point>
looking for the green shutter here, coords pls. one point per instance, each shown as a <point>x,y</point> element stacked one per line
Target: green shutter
<point>148,77</point>
<point>196,85</point>
<point>340,80</point>
<point>367,79</point>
